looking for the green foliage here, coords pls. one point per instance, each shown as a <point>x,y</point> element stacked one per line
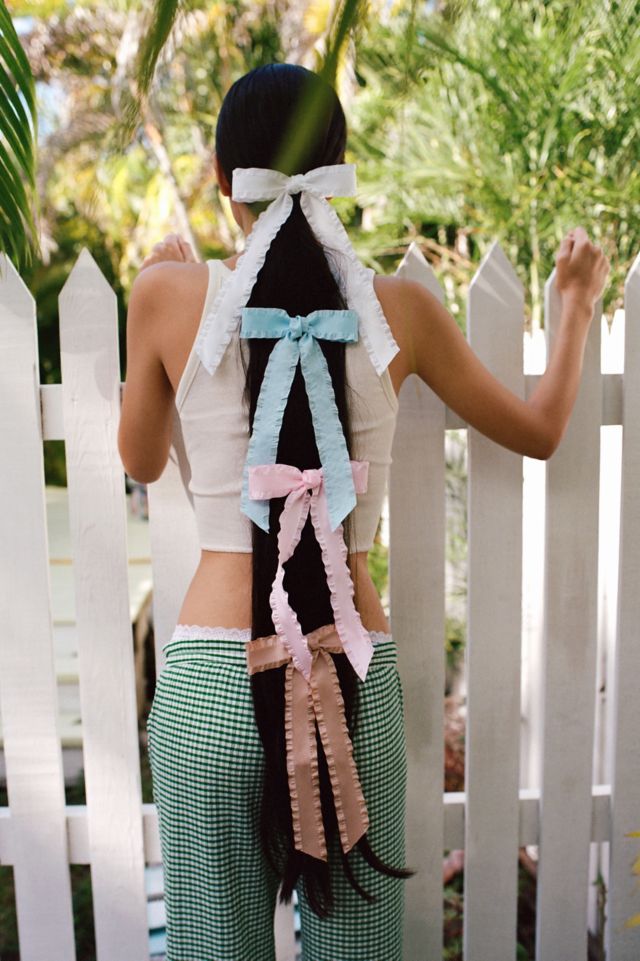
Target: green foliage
<point>82,898</point>
<point>378,566</point>
<point>55,466</point>
<point>513,122</point>
<point>18,132</point>
<point>8,921</point>
<point>453,905</point>
<point>455,641</point>
<point>38,8</point>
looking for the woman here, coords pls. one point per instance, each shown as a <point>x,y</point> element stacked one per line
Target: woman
<point>222,750</point>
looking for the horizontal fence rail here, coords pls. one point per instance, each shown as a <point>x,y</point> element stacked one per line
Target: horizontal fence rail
<point>538,732</point>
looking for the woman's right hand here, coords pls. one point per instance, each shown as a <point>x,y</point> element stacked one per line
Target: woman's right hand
<point>433,347</point>
<point>581,268</point>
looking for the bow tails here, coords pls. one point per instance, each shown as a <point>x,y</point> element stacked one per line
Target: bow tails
<point>267,421</point>
<point>306,702</point>
<point>273,480</point>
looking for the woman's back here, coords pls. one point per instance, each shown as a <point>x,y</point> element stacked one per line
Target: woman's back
<point>214,426</point>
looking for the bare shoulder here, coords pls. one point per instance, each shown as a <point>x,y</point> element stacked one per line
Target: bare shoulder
<point>165,306</point>
<point>402,303</point>
<point>399,295</point>
<point>167,283</point>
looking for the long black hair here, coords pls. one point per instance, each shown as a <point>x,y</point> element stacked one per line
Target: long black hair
<point>253,126</point>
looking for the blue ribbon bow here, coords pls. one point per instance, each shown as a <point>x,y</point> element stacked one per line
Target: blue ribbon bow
<point>298,341</point>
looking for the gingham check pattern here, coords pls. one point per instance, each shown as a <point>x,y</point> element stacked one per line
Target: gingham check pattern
<point>207,765</point>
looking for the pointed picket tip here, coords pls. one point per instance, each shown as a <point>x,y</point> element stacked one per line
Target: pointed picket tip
<point>495,317</point>
<point>612,344</point>
<point>15,296</point>
<point>415,266</point>
<point>552,305</point>
<point>632,281</point>
<point>5,264</point>
<point>86,277</point>
<point>88,309</point>
<point>497,277</point>
<point>550,283</point>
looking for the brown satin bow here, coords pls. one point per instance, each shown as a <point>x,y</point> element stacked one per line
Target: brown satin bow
<point>319,700</point>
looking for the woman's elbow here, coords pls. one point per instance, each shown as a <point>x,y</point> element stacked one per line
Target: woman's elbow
<point>138,469</point>
<point>544,446</point>
<point>140,474</point>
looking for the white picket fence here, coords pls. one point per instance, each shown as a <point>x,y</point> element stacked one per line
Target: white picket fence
<point>546,705</point>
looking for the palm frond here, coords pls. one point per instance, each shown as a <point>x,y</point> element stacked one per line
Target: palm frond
<point>305,120</point>
<point>346,16</point>
<point>18,134</point>
<point>160,21</point>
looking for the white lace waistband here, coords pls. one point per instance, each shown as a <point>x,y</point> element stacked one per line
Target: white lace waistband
<point>201,632</point>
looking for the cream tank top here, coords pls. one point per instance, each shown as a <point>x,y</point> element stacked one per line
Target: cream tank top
<point>215,429</point>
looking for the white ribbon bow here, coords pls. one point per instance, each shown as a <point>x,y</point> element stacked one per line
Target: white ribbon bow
<point>260,183</point>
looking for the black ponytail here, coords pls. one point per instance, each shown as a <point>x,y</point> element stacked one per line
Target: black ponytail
<point>296,276</point>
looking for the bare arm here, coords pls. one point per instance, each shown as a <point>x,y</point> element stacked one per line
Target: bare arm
<point>435,349</point>
<point>144,432</point>
<point>146,414</point>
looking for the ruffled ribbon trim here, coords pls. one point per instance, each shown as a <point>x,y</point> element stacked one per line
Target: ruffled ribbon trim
<point>257,183</point>
<point>306,702</point>
<point>298,340</point>
<point>305,493</point>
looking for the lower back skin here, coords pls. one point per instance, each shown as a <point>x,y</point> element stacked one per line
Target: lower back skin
<point>219,594</point>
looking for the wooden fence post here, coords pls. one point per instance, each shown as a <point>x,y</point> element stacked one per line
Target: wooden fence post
<point>494,630</point>
<point>570,643</point>
<point>33,758</point>
<point>97,513</point>
<point>416,585</point>
<point>623,941</point>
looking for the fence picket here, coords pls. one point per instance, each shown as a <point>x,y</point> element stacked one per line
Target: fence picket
<point>533,472</point>
<point>623,941</point>
<point>97,511</point>
<point>36,828</point>
<point>494,630</point>
<point>570,644</point>
<point>612,341</point>
<point>416,584</point>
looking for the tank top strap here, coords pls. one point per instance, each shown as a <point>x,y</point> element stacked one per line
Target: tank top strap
<point>216,273</point>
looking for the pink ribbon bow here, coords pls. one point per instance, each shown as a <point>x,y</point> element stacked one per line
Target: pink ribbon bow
<point>319,701</point>
<point>304,490</point>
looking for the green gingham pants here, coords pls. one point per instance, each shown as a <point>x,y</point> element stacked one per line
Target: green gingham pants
<point>207,765</point>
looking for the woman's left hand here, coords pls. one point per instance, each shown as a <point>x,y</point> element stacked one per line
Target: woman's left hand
<point>173,247</point>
